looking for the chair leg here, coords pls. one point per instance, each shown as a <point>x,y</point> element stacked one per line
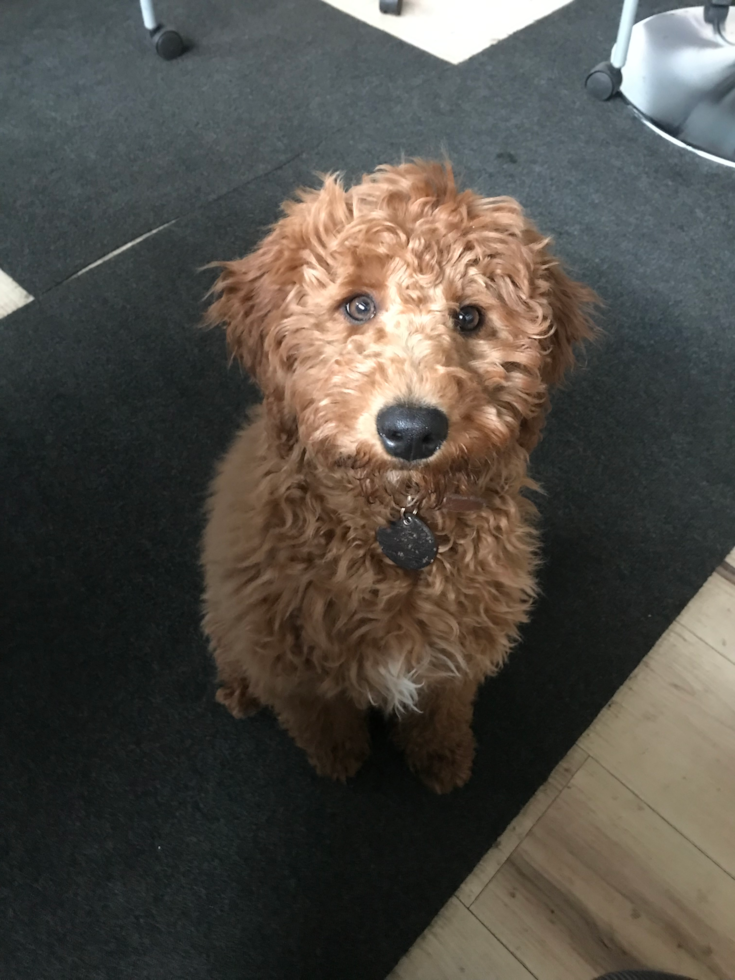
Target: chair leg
<point>149,15</point>
<point>605,79</point>
<point>168,43</point>
<point>715,13</point>
<point>625,29</point>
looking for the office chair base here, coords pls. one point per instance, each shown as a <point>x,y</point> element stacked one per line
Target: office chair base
<point>168,44</point>
<point>680,77</point>
<point>684,146</point>
<point>604,81</point>
<point>391,6</point>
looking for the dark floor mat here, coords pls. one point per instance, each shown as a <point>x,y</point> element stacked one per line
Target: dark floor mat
<point>102,140</point>
<point>147,834</point>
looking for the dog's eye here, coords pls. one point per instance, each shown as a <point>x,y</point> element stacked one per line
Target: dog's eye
<point>468,319</point>
<point>360,308</point>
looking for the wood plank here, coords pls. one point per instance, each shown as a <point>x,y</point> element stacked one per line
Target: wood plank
<point>457,945</point>
<point>519,828</point>
<point>669,735</point>
<point>603,883</point>
<point>711,613</point>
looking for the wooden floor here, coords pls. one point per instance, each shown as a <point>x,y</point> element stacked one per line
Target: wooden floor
<point>626,857</point>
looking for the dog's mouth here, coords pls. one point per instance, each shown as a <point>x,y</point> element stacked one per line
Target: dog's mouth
<point>397,483</point>
<point>397,475</point>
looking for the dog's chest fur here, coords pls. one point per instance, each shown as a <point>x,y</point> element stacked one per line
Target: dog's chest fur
<point>300,575</point>
<point>396,685</point>
<point>384,634</point>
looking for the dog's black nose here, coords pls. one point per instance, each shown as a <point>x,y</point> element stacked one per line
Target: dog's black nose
<point>412,431</point>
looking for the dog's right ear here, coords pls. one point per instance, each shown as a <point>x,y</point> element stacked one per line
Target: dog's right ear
<point>249,293</point>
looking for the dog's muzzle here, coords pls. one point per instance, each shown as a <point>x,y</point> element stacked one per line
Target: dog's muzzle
<point>412,432</point>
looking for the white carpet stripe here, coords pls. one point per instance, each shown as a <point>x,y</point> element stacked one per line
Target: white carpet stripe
<point>451,29</point>
<point>12,296</point>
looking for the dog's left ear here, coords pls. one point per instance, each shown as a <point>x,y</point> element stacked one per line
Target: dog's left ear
<point>570,304</point>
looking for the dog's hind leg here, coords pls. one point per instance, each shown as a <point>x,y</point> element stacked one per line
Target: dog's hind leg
<point>235,695</point>
<point>333,733</point>
<point>233,687</point>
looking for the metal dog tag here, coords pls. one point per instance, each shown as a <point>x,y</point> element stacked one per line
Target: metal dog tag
<point>408,542</point>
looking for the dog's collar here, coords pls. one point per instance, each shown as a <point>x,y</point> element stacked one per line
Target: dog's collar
<point>450,503</point>
<point>457,503</point>
<point>409,543</point>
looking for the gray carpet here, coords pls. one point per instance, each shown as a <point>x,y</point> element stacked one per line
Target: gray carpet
<point>103,141</point>
<point>145,833</point>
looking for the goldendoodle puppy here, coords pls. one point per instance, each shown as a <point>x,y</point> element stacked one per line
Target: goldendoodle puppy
<point>368,543</point>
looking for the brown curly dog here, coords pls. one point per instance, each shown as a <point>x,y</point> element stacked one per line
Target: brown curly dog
<point>368,543</point>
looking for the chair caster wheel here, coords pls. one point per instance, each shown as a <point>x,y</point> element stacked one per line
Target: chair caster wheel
<point>604,81</point>
<point>168,43</point>
<point>391,6</point>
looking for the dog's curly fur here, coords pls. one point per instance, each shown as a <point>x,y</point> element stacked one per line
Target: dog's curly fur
<point>304,612</point>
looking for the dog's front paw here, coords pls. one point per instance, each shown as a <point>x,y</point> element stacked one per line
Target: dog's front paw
<point>443,766</point>
<point>341,760</point>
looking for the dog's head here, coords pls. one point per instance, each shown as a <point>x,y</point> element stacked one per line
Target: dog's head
<point>403,326</point>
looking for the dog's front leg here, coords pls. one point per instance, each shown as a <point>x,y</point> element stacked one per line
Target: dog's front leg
<point>333,732</point>
<point>437,739</point>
